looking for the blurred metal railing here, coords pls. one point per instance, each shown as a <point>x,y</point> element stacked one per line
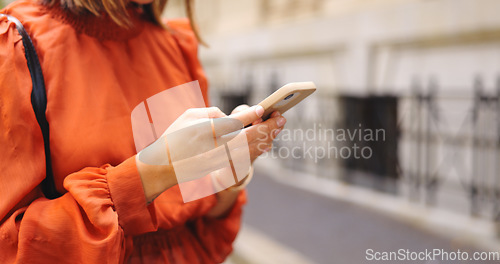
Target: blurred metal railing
<point>468,155</point>
<point>440,143</point>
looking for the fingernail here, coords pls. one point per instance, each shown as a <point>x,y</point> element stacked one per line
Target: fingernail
<point>257,122</point>
<point>259,110</point>
<point>276,114</point>
<point>277,131</point>
<point>281,121</point>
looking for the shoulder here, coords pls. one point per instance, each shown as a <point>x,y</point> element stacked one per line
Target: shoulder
<point>35,17</point>
<point>10,39</point>
<point>179,25</point>
<point>24,10</point>
<point>182,30</point>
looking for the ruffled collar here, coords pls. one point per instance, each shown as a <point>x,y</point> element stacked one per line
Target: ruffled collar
<point>101,27</point>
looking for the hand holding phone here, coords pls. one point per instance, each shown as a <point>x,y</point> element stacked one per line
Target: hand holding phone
<point>286,97</point>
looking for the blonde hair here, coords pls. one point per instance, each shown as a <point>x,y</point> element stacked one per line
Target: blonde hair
<point>117,10</point>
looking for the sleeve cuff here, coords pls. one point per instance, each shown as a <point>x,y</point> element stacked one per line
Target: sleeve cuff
<point>127,194</point>
<point>243,184</point>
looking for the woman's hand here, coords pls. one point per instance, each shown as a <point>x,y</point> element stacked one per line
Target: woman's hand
<point>154,162</point>
<point>189,144</point>
<point>260,135</point>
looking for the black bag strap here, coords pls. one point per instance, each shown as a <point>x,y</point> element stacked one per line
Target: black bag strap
<point>39,103</point>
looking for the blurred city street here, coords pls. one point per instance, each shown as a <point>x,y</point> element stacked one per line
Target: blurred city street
<point>312,228</point>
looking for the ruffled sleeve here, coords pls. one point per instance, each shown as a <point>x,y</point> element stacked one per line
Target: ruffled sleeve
<point>89,223</point>
<point>218,234</point>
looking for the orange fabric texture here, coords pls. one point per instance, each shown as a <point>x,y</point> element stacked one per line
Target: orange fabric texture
<point>95,74</point>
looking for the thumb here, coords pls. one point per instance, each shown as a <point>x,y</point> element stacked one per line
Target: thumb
<point>249,115</point>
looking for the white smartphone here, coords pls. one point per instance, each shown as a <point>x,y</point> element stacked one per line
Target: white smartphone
<point>286,97</point>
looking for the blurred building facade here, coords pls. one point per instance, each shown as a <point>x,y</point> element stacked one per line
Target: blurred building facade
<point>425,71</point>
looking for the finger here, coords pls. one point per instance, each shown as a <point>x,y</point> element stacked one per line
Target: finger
<point>257,149</point>
<point>234,140</point>
<point>207,112</point>
<point>215,112</point>
<point>276,132</point>
<point>226,125</point>
<point>249,115</point>
<point>213,162</point>
<point>240,108</point>
<point>205,163</point>
<point>191,140</point>
<point>275,114</point>
<point>265,130</point>
<point>257,122</point>
<point>280,121</point>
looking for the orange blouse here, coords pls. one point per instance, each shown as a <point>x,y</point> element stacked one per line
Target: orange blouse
<point>95,74</point>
